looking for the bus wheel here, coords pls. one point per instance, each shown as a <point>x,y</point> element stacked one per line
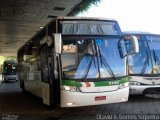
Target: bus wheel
<point>22,86</point>
<point>4,80</point>
<point>49,107</point>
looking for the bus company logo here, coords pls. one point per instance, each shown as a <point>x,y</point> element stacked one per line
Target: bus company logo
<point>114,83</point>
<point>153,82</point>
<point>87,84</point>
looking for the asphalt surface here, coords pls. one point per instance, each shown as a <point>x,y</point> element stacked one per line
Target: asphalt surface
<point>17,106</point>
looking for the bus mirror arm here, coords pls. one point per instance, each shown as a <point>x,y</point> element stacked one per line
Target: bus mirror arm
<point>124,51</point>
<point>57,43</point>
<point>121,48</point>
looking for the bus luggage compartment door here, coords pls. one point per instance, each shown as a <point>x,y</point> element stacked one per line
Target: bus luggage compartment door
<point>46,93</point>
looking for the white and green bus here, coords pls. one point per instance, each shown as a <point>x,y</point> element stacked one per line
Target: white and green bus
<point>144,67</point>
<point>76,61</point>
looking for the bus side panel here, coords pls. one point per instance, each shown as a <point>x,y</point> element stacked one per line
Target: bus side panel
<point>34,87</point>
<point>32,79</point>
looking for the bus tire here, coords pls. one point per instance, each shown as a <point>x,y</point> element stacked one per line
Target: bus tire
<point>22,86</point>
<point>48,107</point>
<point>5,81</point>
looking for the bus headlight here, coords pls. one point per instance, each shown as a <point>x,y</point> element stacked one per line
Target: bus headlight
<point>134,83</point>
<point>123,85</point>
<point>70,88</point>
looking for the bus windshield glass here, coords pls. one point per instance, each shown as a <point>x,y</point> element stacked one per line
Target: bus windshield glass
<point>154,43</point>
<point>147,61</point>
<point>91,58</point>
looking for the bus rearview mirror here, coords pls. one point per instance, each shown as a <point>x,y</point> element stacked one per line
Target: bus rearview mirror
<point>132,45</point>
<point>135,45</point>
<point>57,43</point>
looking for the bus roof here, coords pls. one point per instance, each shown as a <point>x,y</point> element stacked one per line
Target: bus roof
<point>139,33</point>
<point>10,61</point>
<point>43,30</point>
<point>85,18</point>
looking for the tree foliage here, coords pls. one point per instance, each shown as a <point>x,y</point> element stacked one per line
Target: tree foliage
<point>84,6</point>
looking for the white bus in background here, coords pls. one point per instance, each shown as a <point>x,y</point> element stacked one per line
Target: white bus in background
<point>9,71</point>
<point>76,61</point>
<point>144,67</point>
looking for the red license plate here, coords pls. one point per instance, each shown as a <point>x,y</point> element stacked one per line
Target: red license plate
<point>100,98</point>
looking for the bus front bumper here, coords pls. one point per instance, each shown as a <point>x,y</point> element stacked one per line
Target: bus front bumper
<point>139,90</point>
<point>10,77</point>
<point>75,99</point>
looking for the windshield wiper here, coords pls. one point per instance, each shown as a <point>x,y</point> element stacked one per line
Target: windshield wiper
<point>145,63</point>
<point>90,63</point>
<point>105,63</point>
<point>156,58</point>
<point>85,76</point>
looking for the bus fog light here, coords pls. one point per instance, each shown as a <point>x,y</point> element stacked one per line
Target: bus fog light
<point>134,83</point>
<point>69,104</point>
<point>70,88</point>
<point>123,85</point>
<point>124,99</point>
<point>66,88</point>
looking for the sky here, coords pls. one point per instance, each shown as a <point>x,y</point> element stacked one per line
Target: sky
<point>132,15</point>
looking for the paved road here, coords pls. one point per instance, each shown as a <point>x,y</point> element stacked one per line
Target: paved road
<point>13,104</point>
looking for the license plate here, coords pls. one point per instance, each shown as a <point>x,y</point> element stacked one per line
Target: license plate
<point>98,98</point>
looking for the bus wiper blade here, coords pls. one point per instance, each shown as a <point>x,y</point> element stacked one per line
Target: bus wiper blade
<point>156,58</point>
<point>90,63</point>
<point>93,58</point>
<point>146,62</point>
<point>85,76</point>
<point>105,63</point>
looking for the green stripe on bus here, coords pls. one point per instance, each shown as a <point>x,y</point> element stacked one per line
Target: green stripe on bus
<point>71,83</point>
<point>110,83</point>
<point>97,83</point>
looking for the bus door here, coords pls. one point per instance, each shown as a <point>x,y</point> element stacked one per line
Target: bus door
<point>45,56</point>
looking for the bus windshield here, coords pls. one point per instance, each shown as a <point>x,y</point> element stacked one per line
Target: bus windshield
<point>89,58</point>
<point>147,61</point>
<point>154,43</point>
